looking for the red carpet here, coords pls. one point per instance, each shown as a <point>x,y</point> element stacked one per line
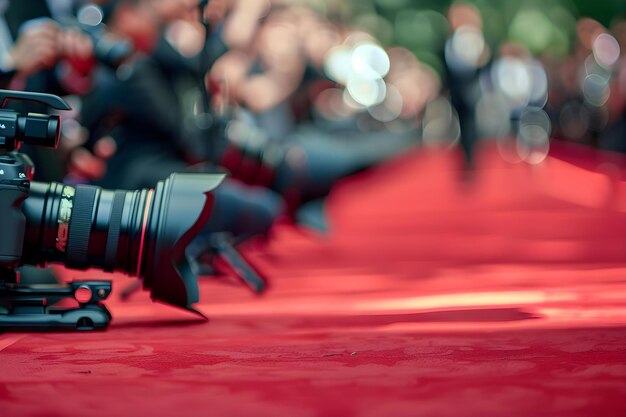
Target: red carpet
<point>431,297</point>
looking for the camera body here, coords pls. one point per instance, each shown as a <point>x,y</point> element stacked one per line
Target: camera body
<point>25,308</point>
<point>16,169</point>
<point>14,188</point>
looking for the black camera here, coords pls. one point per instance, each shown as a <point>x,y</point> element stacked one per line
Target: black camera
<point>109,50</point>
<point>143,233</point>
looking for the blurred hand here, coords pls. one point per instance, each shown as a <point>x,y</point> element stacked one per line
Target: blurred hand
<point>77,49</point>
<point>230,71</point>
<point>73,43</point>
<point>36,49</point>
<point>92,166</point>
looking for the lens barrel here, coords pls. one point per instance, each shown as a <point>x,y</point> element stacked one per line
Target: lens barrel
<point>142,233</point>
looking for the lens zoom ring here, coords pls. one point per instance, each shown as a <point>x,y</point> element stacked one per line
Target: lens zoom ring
<point>80,227</point>
<point>113,236</point>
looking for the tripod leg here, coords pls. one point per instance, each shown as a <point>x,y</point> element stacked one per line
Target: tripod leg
<point>244,271</point>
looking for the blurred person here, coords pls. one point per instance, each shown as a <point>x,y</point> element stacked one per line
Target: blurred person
<point>36,54</point>
<point>144,106</point>
<point>31,42</point>
<point>466,55</point>
<point>263,66</point>
<point>586,88</point>
<point>268,143</point>
<point>32,52</point>
<point>145,121</point>
<point>154,112</point>
<point>614,137</point>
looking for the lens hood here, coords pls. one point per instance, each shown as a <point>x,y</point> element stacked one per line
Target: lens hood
<point>179,212</point>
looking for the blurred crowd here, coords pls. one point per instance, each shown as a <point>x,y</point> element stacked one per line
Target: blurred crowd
<point>288,97</point>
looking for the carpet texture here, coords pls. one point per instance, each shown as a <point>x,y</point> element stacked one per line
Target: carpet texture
<point>433,295</point>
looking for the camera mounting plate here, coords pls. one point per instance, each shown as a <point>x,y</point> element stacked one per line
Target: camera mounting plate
<point>33,308</point>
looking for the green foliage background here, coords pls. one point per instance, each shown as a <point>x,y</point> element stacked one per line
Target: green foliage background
<point>544,26</point>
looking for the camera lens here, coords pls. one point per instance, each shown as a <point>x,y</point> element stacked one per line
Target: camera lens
<point>110,51</point>
<point>143,233</point>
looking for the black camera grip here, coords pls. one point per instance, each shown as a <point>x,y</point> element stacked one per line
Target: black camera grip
<point>12,222</point>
